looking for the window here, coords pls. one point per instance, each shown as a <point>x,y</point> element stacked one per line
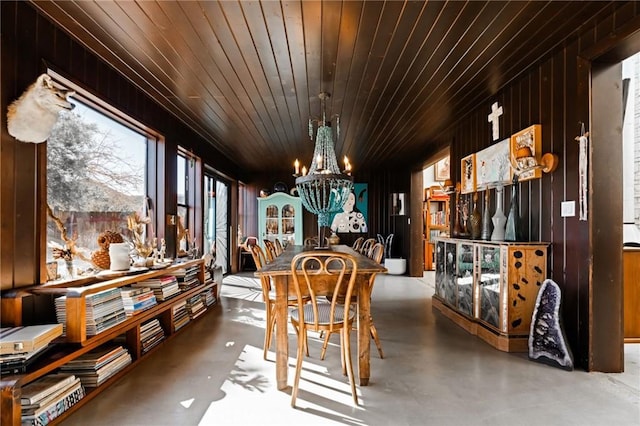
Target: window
<point>96,177</point>
<point>216,238</point>
<point>186,191</point>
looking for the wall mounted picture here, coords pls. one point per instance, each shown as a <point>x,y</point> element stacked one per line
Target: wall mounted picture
<point>468,171</point>
<point>398,205</point>
<point>530,138</point>
<point>493,167</point>
<point>353,217</point>
<point>441,170</point>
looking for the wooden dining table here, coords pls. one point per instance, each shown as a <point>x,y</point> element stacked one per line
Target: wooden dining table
<point>280,272</point>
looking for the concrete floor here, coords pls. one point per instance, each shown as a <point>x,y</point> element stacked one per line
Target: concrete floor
<point>212,373</point>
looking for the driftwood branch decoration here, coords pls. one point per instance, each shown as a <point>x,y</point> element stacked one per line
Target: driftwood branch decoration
<point>69,250</point>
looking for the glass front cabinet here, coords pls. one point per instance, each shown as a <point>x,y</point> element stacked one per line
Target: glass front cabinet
<point>280,217</point>
<point>490,288</point>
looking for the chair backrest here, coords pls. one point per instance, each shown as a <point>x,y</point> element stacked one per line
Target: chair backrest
<point>278,247</point>
<point>258,256</point>
<point>377,252</point>
<point>325,273</point>
<point>311,241</point>
<point>260,260</point>
<point>366,246</point>
<point>357,244</point>
<point>270,250</point>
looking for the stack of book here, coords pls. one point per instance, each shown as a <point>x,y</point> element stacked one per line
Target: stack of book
<point>137,299</point>
<point>46,398</point>
<point>180,315</point>
<point>163,287</point>
<point>95,367</point>
<point>21,346</point>
<point>188,277</point>
<point>103,310</point>
<point>195,306</point>
<point>207,297</point>
<point>151,334</point>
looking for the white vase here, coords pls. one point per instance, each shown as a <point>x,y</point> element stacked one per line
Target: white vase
<point>499,219</point>
<point>119,255</point>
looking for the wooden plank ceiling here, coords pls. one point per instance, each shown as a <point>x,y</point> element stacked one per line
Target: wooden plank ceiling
<point>246,74</point>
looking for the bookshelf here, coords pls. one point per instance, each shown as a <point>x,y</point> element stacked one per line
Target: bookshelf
<point>77,343</point>
<point>436,221</point>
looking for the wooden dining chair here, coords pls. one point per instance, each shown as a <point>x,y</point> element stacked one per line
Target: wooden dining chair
<point>269,297</point>
<point>265,282</point>
<point>311,241</point>
<point>278,247</point>
<point>324,274</point>
<point>269,250</point>
<point>357,244</point>
<point>376,253</point>
<point>366,246</point>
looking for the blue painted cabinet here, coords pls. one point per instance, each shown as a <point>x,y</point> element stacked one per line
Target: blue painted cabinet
<point>280,217</point>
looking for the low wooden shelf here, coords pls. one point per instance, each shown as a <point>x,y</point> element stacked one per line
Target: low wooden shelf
<point>77,343</point>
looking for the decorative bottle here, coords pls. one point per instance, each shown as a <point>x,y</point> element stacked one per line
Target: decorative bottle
<point>476,219</point>
<point>487,226</point>
<point>457,229</point>
<point>512,231</point>
<point>499,219</point>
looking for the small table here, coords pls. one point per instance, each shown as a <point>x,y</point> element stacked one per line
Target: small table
<point>280,271</point>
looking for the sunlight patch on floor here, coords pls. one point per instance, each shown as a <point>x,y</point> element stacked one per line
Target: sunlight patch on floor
<point>251,388</point>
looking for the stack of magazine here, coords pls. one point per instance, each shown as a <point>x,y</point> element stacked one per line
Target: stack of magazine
<point>188,277</point>
<point>207,297</point>
<point>48,397</point>
<point>163,287</point>
<point>137,299</point>
<point>180,315</point>
<point>151,334</point>
<point>21,346</point>
<point>195,306</point>
<point>95,367</point>
<point>103,310</point>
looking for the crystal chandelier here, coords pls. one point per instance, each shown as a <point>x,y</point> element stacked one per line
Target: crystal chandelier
<point>325,189</point>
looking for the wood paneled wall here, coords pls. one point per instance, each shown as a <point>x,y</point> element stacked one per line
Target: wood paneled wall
<point>30,44</point>
<point>556,94</point>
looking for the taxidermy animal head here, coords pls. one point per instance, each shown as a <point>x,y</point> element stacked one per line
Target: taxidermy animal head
<point>31,117</point>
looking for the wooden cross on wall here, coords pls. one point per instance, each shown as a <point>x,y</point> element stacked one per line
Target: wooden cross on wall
<point>493,118</point>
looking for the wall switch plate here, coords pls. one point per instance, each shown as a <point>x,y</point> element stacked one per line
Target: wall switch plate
<point>568,209</point>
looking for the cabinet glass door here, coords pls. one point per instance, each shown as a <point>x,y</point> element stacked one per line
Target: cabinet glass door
<point>272,222</point>
<point>440,269</point>
<point>449,285</point>
<point>288,223</point>
<point>464,280</point>
<point>489,284</point>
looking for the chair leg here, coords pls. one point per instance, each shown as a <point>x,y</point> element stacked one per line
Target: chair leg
<point>324,345</point>
<point>342,354</point>
<point>347,358</point>
<point>271,323</point>
<point>374,334</point>
<point>302,337</point>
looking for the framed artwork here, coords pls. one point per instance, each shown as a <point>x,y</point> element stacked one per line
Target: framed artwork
<point>531,138</point>
<point>353,217</point>
<point>398,205</point>
<point>441,170</point>
<point>493,166</point>
<point>468,171</point>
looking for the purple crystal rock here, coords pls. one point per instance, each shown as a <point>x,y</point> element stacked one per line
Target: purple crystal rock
<point>547,342</point>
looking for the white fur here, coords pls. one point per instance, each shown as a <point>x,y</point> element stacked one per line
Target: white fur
<point>31,117</point>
